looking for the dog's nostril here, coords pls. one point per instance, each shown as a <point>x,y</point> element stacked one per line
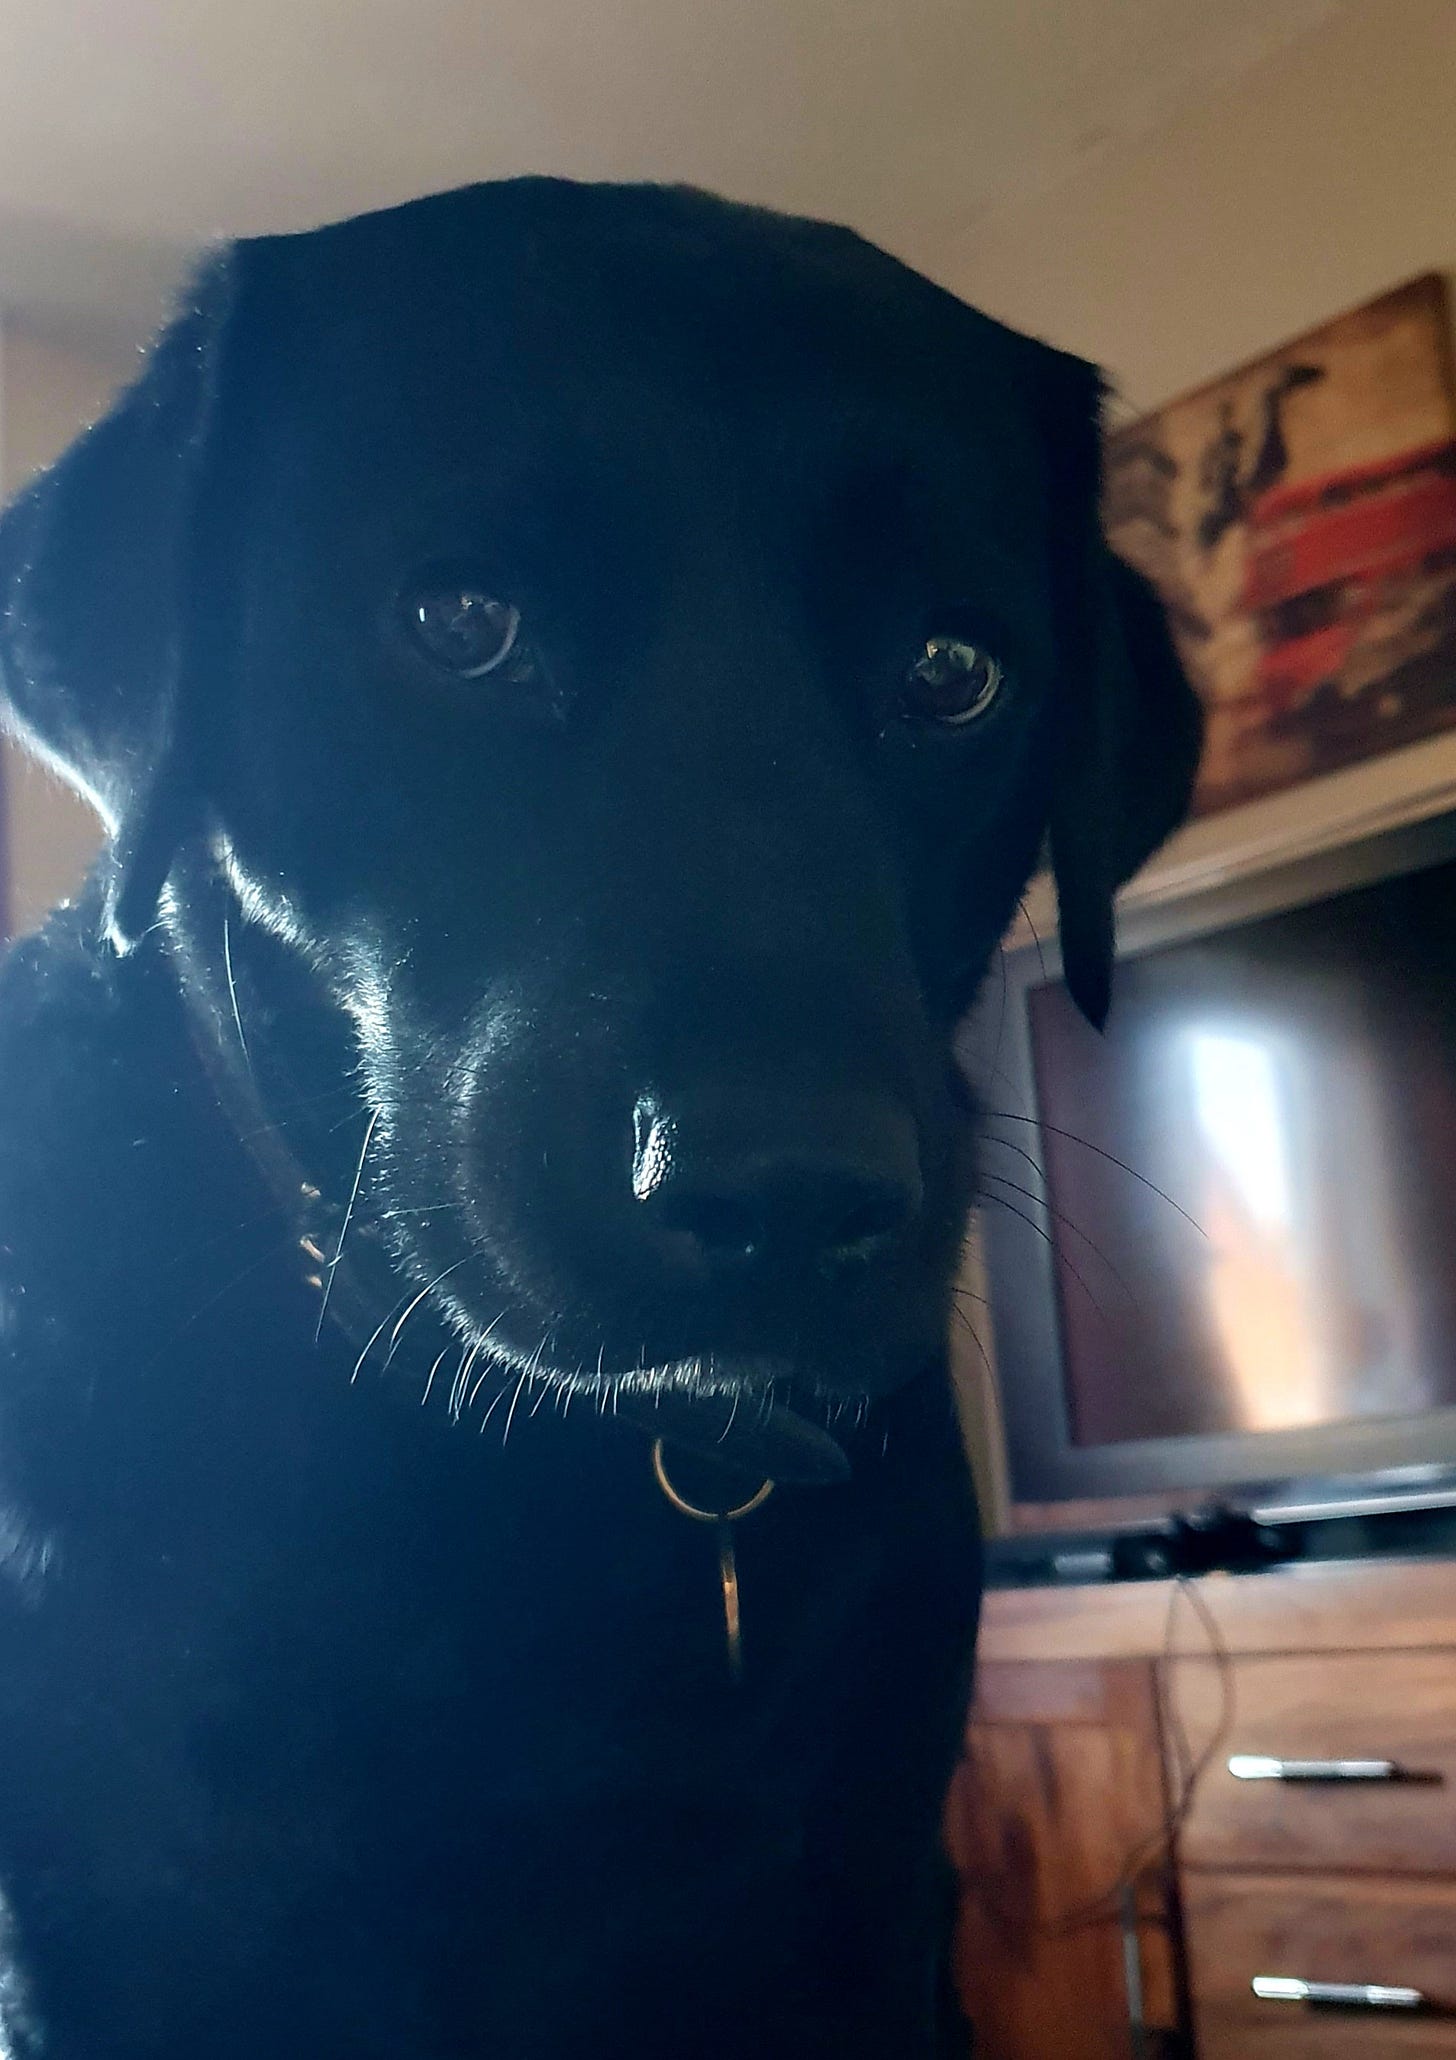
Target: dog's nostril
<point>723,1227</point>
<point>793,1212</point>
<point>813,1184</point>
<point>871,1223</point>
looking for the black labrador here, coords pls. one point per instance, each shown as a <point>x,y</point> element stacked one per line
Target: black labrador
<point>577,678</point>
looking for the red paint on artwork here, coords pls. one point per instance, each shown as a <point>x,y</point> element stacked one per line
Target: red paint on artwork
<point>1324,553</point>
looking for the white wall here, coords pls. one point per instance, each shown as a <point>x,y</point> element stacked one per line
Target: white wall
<point>48,392</point>
<point>1292,193</point>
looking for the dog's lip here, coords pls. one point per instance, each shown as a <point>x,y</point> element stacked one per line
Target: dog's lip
<point>773,1444</point>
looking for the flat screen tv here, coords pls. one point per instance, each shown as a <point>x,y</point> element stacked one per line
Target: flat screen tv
<point>1220,1237</point>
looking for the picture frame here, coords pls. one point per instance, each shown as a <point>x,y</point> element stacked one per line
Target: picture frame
<point>1298,516</point>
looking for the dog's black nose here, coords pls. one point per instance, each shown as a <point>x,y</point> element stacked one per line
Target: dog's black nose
<point>732,1182</point>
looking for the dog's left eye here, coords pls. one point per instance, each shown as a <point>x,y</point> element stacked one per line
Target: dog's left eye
<point>460,625</point>
<point>952,682</point>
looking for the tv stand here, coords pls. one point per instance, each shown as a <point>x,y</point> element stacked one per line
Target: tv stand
<point>1086,1930</point>
<point>1404,1490</point>
<point>1283,1528</point>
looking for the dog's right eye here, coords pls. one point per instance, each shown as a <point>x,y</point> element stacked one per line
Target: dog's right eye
<point>460,626</point>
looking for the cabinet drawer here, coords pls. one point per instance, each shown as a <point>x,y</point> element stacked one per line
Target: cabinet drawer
<point>1368,1929</point>
<point>1332,1707</point>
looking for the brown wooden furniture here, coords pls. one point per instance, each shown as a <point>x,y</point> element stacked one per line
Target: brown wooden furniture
<point>1086,1934</point>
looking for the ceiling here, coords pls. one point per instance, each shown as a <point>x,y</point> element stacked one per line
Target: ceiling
<point>133,130</point>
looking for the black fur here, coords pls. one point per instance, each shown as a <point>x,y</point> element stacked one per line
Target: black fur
<point>329,1727</point>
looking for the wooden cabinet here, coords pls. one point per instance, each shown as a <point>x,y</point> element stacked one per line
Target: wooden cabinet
<point>1329,1708</point>
<point>1061,1781</point>
<point>1320,1927</point>
<point>1086,1719</point>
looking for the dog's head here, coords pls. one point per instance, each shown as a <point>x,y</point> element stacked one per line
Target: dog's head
<point>625,652</point>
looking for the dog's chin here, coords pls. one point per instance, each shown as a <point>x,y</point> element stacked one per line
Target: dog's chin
<point>744,1413</point>
<point>780,1414</point>
<point>740,1419</point>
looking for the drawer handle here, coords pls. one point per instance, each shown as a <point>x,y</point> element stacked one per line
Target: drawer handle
<point>1336,1995</point>
<point>1257,1766</point>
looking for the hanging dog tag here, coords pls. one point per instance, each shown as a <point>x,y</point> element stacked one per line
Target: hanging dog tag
<point>723,1521</point>
<point>732,1621</point>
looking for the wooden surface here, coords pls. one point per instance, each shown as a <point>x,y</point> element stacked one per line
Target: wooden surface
<point>1367,1604</point>
<point>1318,1928</point>
<point>1398,1705</point>
<point>1061,1781</point>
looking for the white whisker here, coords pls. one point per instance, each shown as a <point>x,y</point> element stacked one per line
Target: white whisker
<point>431,1381</point>
<point>492,1405</point>
<point>344,1232</point>
<point>479,1381</point>
<point>227,960</point>
<point>511,1412</point>
<point>374,1340</point>
<point>457,1392</point>
<point>394,1335</point>
<point>723,1435</point>
<point>457,1385</point>
<point>480,1343</point>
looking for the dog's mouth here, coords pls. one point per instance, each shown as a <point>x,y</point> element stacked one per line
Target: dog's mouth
<point>747,1432</point>
<point>727,1410</point>
<point>729,1393</point>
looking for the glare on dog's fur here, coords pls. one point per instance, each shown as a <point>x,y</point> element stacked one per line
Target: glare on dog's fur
<point>604,1002</point>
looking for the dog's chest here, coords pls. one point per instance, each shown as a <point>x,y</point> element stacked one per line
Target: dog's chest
<point>449,1726</point>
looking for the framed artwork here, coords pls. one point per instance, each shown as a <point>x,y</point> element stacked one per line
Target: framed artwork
<point>1299,518</point>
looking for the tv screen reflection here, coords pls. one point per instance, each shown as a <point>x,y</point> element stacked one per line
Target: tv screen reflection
<point>1252,1174</point>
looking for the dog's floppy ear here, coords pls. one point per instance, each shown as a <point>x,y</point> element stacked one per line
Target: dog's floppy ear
<point>100,597</point>
<point>1129,726</point>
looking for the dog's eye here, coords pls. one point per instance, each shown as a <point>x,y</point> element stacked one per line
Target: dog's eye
<point>953,681</point>
<point>460,625</point>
